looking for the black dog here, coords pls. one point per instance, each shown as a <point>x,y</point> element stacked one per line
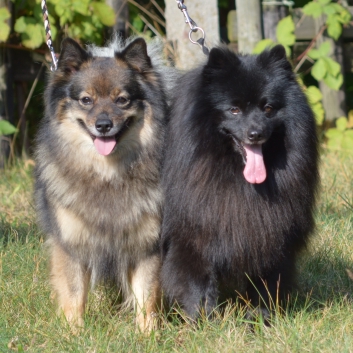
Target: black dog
<point>240,176</point>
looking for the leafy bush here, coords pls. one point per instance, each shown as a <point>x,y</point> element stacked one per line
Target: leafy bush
<point>324,68</point>
<point>83,20</point>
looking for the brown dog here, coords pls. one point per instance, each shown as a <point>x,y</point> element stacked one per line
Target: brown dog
<point>97,187</point>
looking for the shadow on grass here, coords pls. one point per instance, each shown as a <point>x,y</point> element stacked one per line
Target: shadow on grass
<point>323,281</point>
<point>325,278</point>
<point>18,232</point>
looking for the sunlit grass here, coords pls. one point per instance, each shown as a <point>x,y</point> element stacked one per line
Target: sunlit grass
<point>319,317</point>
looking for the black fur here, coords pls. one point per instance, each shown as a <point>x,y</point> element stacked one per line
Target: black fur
<point>222,235</point>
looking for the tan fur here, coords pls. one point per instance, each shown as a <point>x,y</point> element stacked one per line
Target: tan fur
<point>102,213</point>
<point>146,302</point>
<point>70,282</point>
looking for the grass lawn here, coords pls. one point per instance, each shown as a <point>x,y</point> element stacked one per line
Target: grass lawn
<point>319,317</point>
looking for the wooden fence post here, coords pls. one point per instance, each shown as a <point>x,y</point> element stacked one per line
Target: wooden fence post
<point>271,15</point>
<point>249,24</point>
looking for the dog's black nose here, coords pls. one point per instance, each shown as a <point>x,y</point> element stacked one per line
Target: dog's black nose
<point>104,125</point>
<point>254,135</point>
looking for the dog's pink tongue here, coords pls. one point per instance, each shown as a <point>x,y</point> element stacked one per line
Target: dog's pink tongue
<point>255,171</point>
<point>104,145</point>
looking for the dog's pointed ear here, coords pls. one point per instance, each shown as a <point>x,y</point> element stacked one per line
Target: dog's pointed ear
<point>135,56</point>
<point>276,55</point>
<point>220,58</point>
<point>72,56</point>
<point>278,52</point>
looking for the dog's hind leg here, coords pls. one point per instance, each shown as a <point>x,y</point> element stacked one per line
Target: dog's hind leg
<point>70,281</point>
<point>144,283</point>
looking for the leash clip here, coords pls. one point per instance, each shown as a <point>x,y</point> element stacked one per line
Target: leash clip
<point>193,28</point>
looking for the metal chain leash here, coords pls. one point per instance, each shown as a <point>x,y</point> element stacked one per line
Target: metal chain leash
<point>48,33</point>
<point>193,28</point>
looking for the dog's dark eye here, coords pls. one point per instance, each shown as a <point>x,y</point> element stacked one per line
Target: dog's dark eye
<point>86,101</point>
<point>268,109</point>
<point>235,110</point>
<point>121,101</point>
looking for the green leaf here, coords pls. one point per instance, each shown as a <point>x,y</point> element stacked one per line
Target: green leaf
<point>104,12</point>
<point>37,13</point>
<point>52,21</point>
<point>65,13</point>
<point>338,8</point>
<point>333,67</point>
<point>6,128</point>
<point>334,30</point>
<point>334,137</point>
<point>349,132</point>
<point>88,29</point>
<point>345,17</point>
<point>319,113</point>
<point>20,24</point>
<point>314,54</point>
<point>262,45</point>
<point>347,140</point>
<point>4,31</point>
<point>59,10</point>
<point>341,123</point>
<point>329,9</point>
<point>313,9</point>
<point>325,48</point>
<point>319,70</point>
<point>333,133</point>
<point>332,18</point>
<point>33,37</point>
<point>286,39</point>
<point>334,27</point>
<point>285,31</point>
<point>4,14</point>
<point>75,31</point>
<point>288,50</point>
<point>313,94</point>
<point>148,34</point>
<point>137,23</point>
<point>301,83</point>
<point>334,82</point>
<point>322,51</point>
<point>81,7</point>
<point>324,2</point>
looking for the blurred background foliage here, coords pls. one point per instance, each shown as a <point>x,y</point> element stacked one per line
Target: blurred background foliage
<point>24,56</point>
